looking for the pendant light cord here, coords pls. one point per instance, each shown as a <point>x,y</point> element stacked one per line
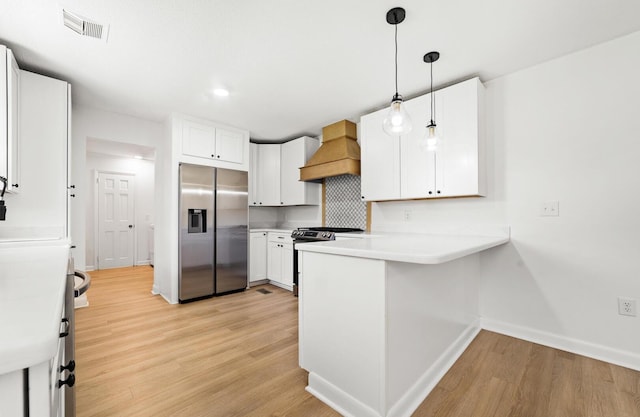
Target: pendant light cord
<point>396,59</point>
<point>433,100</point>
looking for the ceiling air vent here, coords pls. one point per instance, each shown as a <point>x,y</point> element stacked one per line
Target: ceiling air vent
<point>83,26</point>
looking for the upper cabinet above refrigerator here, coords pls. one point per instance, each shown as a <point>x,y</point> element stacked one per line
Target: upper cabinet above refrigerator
<point>207,143</point>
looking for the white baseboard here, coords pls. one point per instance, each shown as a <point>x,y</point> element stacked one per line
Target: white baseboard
<point>90,268</point>
<point>337,399</point>
<point>283,286</point>
<point>412,399</point>
<point>349,406</point>
<point>142,263</point>
<point>580,347</point>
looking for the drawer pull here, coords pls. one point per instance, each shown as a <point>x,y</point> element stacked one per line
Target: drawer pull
<point>71,366</point>
<point>70,381</point>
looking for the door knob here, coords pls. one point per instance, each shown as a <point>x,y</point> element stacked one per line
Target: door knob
<point>130,226</point>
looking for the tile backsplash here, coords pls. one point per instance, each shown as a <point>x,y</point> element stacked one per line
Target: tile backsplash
<point>344,207</point>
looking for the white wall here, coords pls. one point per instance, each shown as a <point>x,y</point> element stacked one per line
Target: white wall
<point>98,124</point>
<point>566,130</point>
<point>143,170</point>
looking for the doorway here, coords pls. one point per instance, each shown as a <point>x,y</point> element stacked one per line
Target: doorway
<point>116,220</point>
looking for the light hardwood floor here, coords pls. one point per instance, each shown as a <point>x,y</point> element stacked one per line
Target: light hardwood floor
<point>237,355</point>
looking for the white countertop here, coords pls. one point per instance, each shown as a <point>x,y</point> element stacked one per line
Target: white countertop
<point>32,286</point>
<point>412,248</point>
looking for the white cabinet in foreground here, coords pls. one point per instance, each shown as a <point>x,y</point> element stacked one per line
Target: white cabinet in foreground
<point>9,120</point>
<point>378,352</point>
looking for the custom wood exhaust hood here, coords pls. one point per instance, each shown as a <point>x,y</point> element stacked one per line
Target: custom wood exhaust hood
<point>339,153</point>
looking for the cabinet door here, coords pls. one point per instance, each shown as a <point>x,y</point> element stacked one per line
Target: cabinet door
<point>253,174</point>
<point>258,256</point>
<point>274,263</point>
<point>43,114</point>
<point>229,146</point>
<point>293,155</point>
<point>457,158</point>
<point>268,178</point>
<point>380,160</point>
<point>3,113</point>
<point>417,164</point>
<point>287,264</point>
<point>198,139</point>
<point>13,122</point>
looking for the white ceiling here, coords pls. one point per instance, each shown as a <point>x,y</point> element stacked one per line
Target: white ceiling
<point>292,66</point>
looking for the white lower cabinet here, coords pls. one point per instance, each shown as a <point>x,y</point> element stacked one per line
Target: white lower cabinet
<point>257,256</point>
<point>398,168</point>
<point>280,260</point>
<point>43,397</point>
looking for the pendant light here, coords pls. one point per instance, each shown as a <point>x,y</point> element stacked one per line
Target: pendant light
<point>397,121</point>
<point>432,139</point>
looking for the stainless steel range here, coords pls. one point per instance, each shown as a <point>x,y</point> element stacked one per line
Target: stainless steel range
<point>313,234</point>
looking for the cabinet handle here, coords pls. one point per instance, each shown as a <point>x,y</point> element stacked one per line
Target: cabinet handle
<point>65,333</point>
<point>218,156</point>
<point>213,156</point>
<point>438,191</point>
<point>281,202</point>
<point>70,381</point>
<point>71,366</point>
<point>430,192</point>
<point>362,197</point>
<point>72,195</point>
<point>15,185</point>
<point>72,186</point>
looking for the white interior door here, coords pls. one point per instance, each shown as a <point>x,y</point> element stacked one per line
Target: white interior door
<point>115,220</point>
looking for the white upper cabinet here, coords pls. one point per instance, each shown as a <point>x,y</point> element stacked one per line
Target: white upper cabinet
<point>275,172</point>
<point>267,191</point>
<point>9,119</point>
<point>230,145</point>
<point>206,143</point>
<point>198,139</point>
<point>293,155</point>
<point>402,168</point>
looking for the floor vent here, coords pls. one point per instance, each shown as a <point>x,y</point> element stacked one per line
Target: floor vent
<point>263,291</point>
<point>84,27</point>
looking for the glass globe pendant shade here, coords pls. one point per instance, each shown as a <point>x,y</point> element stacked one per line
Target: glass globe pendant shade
<point>397,122</point>
<point>431,140</point>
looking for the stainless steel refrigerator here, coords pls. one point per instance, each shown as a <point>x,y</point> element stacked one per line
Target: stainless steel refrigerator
<point>213,231</point>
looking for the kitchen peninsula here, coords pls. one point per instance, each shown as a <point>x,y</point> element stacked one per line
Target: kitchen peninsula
<point>382,318</point>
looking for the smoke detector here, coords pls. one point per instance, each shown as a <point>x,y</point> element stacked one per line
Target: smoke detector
<point>83,26</point>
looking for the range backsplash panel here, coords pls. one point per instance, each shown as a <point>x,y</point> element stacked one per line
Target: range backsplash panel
<point>344,207</point>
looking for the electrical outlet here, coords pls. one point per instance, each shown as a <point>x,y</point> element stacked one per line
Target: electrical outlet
<point>550,208</point>
<point>407,215</point>
<point>626,306</point>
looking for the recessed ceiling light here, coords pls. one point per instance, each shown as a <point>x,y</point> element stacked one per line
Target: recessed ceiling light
<point>221,92</point>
